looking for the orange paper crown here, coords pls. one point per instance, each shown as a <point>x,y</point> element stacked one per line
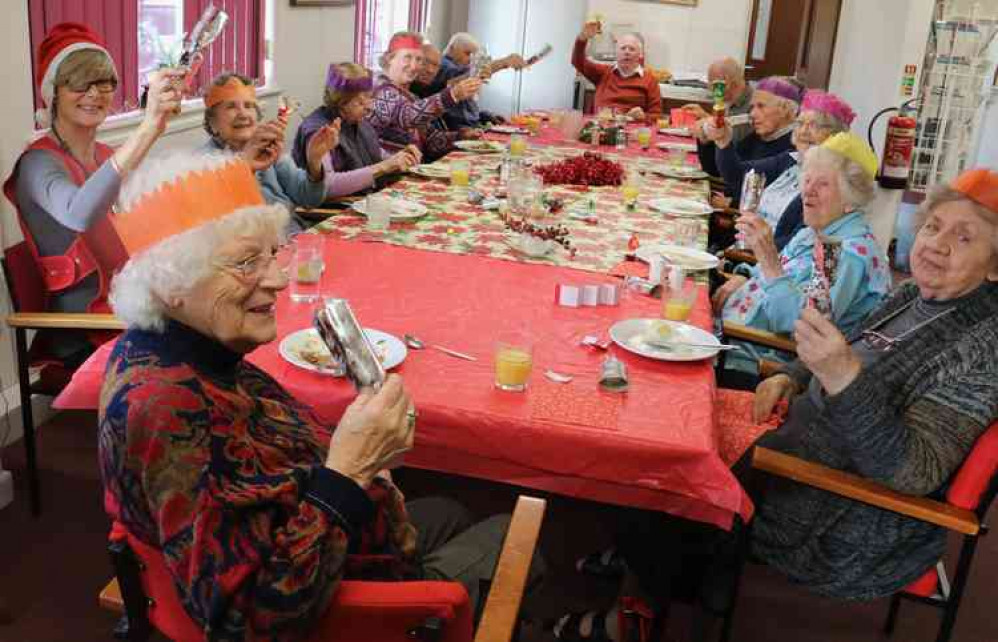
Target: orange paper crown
<point>233,90</point>
<point>980,185</point>
<point>186,202</point>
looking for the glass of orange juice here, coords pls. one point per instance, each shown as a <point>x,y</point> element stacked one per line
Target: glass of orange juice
<point>517,145</point>
<point>460,173</point>
<point>630,189</point>
<point>677,302</point>
<point>644,137</point>
<point>514,359</point>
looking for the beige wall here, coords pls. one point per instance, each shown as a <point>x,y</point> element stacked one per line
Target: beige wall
<point>305,41</point>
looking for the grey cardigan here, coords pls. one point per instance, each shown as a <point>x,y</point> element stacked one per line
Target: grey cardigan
<point>907,421</point>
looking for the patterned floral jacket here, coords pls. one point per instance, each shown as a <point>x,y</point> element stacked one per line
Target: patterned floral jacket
<point>861,279</point>
<point>401,119</point>
<point>207,458</point>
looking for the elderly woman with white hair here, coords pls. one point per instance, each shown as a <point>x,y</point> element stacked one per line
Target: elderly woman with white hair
<point>253,502</point>
<point>402,119</point>
<point>821,115</point>
<point>833,263</point>
<point>625,86</point>
<point>900,400</point>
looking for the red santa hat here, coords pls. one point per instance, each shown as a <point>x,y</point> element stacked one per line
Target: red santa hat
<point>61,41</point>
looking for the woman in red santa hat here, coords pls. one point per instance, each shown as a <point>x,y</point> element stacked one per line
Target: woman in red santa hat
<point>65,182</point>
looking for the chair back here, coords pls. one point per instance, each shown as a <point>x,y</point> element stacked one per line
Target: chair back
<point>974,485</point>
<point>24,279</point>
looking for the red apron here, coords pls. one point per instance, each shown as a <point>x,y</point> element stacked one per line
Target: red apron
<point>98,249</point>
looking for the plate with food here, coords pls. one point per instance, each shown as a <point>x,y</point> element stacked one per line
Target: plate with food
<point>664,340</point>
<point>681,172</point>
<point>402,209</point>
<point>480,146</point>
<point>685,147</point>
<point>508,129</point>
<point>684,257</point>
<point>432,170</point>
<point>306,349</point>
<point>678,206</point>
<point>675,131</point>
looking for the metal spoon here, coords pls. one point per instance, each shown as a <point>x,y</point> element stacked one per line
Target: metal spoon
<point>413,342</point>
<point>672,347</point>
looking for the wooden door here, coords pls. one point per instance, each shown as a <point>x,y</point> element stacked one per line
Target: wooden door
<point>793,38</point>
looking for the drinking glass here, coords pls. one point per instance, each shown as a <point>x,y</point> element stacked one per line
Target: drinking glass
<point>534,125</point>
<point>525,193</point>
<point>379,212</point>
<point>513,362</point>
<point>460,173</point>
<point>677,303</point>
<point>631,188</point>
<point>307,265</point>
<point>687,232</point>
<point>677,156</point>
<point>517,145</point>
<point>644,137</point>
<point>663,123</point>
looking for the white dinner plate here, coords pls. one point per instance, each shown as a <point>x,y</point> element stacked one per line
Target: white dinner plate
<point>686,147</point>
<point>677,206</point>
<point>675,131</point>
<point>480,146</point>
<point>306,349</point>
<point>682,172</point>
<point>433,170</point>
<point>685,257</point>
<point>633,335</point>
<point>402,210</point>
<point>508,129</point>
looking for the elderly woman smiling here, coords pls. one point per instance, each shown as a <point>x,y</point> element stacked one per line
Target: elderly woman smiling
<point>900,400</point>
<point>252,501</point>
<point>821,115</point>
<point>833,262</point>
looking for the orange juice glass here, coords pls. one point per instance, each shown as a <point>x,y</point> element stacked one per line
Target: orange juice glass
<point>514,361</point>
<point>677,304</point>
<point>460,173</point>
<point>517,145</point>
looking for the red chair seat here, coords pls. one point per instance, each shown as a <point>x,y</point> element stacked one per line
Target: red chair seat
<point>924,586</point>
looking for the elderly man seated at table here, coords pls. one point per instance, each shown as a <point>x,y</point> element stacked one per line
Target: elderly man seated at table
<point>833,263</point>
<point>737,101</point>
<point>624,86</point>
<point>252,500</point>
<point>232,119</point>
<point>900,400</point>
<point>402,119</point>
<point>358,163</point>
<point>822,115</point>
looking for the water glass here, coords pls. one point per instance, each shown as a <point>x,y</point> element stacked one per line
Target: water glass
<point>677,156</point>
<point>525,193</point>
<point>514,361</point>
<point>379,212</point>
<point>307,266</point>
<point>460,173</point>
<point>687,232</point>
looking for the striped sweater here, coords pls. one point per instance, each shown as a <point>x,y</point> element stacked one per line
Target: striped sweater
<point>907,421</point>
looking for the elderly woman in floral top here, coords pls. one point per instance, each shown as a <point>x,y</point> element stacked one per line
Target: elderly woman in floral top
<point>833,263</point>
<point>399,117</point>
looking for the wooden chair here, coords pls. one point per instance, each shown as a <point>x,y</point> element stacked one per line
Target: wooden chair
<point>361,611</point>
<point>27,294</point>
<point>967,501</point>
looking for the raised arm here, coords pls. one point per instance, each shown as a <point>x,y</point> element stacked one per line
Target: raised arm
<point>593,71</point>
<point>44,183</point>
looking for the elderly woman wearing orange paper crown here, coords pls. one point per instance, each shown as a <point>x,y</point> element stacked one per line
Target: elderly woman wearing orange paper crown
<point>232,119</point>
<point>833,262</point>
<point>901,400</point>
<point>64,184</point>
<point>252,502</point>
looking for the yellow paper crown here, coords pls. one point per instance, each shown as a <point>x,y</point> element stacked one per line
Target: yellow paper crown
<point>855,149</point>
<point>188,201</point>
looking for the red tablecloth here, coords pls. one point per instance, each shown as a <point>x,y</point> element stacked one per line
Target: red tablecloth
<point>654,447</point>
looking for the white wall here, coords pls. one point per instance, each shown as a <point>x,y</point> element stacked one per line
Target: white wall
<point>306,40</point>
<point>683,38</point>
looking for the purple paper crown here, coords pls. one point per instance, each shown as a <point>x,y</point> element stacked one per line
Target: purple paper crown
<point>817,100</point>
<point>336,81</point>
<point>780,87</point>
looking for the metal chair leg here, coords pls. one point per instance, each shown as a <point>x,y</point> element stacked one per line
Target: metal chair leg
<point>956,590</point>
<point>892,614</point>
<point>28,421</point>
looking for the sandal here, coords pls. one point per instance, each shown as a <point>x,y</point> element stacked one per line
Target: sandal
<point>636,622</point>
<point>607,564</point>
<point>569,628</point>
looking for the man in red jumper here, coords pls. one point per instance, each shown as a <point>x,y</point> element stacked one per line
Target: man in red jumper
<point>625,86</point>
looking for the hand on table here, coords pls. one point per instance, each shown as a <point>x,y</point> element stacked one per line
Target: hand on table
<point>636,113</point>
<point>768,393</point>
<point>727,289</point>
<point>825,351</point>
<point>373,431</point>
<point>469,133</point>
<point>758,237</point>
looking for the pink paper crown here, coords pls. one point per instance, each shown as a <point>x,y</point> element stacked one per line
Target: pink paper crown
<point>336,81</point>
<point>826,103</point>
<point>779,87</point>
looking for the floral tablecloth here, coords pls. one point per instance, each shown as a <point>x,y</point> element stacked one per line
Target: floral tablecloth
<point>454,225</point>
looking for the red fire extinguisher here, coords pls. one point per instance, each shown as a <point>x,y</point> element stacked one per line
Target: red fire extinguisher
<point>898,149</point>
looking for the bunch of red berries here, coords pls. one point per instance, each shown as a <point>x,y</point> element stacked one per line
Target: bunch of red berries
<point>556,233</point>
<point>589,169</point>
